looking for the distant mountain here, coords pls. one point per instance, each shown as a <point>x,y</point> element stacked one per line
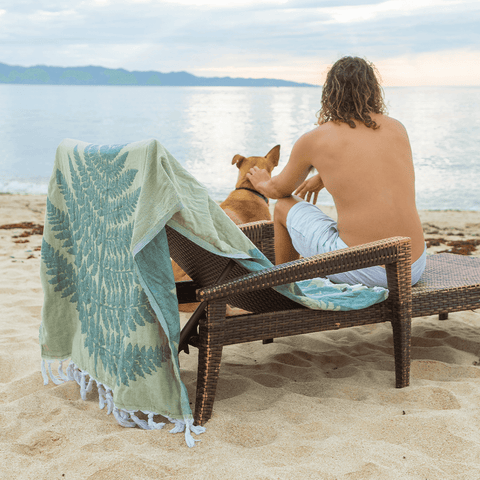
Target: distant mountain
<point>43,75</point>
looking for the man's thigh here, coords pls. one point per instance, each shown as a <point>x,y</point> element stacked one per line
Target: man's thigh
<point>314,232</point>
<point>283,206</point>
<point>311,230</point>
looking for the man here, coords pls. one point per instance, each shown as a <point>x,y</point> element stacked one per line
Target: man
<point>363,158</point>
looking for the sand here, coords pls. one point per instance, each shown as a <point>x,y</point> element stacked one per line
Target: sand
<point>318,406</point>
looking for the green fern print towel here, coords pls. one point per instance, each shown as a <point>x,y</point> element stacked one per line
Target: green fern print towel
<point>110,304</point>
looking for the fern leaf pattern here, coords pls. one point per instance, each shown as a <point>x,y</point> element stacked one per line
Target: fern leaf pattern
<point>94,266</point>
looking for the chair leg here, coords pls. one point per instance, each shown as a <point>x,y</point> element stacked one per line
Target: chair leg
<point>209,358</point>
<point>401,347</point>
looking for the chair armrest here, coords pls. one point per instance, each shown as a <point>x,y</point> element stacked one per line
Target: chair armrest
<point>392,252</point>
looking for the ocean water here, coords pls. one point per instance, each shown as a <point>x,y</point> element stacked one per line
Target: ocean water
<point>204,127</point>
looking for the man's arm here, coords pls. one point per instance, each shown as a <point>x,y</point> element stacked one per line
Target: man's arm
<point>290,178</point>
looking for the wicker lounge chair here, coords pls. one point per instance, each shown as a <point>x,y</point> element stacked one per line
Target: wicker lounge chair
<point>218,281</point>
<point>450,283</point>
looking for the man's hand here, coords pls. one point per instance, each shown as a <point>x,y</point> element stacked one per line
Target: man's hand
<point>259,178</point>
<point>310,187</point>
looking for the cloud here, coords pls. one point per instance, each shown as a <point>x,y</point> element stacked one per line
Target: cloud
<point>43,16</point>
<point>448,67</point>
<point>222,4</point>
<point>387,9</point>
<point>291,37</point>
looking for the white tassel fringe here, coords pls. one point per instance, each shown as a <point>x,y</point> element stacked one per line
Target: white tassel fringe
<point>126,418</point>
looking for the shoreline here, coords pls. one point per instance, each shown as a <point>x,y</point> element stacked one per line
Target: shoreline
<point>453,231</point>
<point>425,210</point>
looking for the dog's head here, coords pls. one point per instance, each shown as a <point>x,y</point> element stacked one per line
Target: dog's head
<point>269,162</point>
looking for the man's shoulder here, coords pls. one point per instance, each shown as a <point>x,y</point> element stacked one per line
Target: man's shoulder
<point>394,127</point>
<point>306,139</point>
<point>317,133</point>
<point>392,121</point>
<point>312,140</point>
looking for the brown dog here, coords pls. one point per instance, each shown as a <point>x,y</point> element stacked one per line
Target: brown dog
<point>244,204</point>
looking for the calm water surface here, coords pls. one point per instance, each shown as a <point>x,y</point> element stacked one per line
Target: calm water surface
<point>204,127</point>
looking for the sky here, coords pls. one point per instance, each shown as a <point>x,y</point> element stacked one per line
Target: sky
<point>411,42</point>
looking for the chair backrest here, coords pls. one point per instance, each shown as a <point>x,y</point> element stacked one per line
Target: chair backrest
<point>205,267</point>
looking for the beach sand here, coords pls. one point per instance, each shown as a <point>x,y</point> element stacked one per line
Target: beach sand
<point>318,406</point>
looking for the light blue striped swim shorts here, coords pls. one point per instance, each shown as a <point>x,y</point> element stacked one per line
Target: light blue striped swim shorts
<point>313,232</point>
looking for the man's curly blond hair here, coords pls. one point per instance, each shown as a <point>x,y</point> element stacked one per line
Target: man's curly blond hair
<point>351,92</point>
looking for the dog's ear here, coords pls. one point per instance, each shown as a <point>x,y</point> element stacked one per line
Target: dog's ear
<point>274,155</point>
<point>238,159</point>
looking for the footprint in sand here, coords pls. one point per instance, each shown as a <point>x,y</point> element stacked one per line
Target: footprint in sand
<point>281,367</point>
<point>432,398</point>
<point>41,445</point>
<point>248,435</point>
<point>110,443</point>
<point>291,359</point>
<point>316,430</point>
<point>269,380</point>
<point>440,334</point>
<point>135,468</point>
<point>438,371</point>
<point>229,388</point>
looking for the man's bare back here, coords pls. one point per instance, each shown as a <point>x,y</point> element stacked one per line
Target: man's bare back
<point>369,174</point>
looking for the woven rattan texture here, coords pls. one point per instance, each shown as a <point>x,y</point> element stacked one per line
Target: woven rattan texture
<point>247,328</point>
<point>262,235</point>
<point>446,270</point>
<point>204,268</point>
<point>451,283</point>
<point>209,359</point>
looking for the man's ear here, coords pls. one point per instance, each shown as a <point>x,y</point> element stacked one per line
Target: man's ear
<point>238,159</point>
<point>274,155</point>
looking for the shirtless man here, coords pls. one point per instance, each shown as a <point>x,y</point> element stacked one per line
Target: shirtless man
<point>363,158</point>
